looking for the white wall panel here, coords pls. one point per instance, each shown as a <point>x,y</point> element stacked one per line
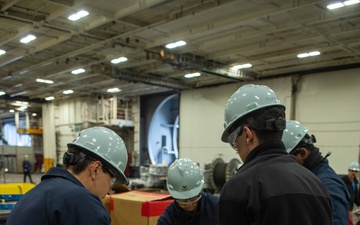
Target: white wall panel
<point>329,105</point>
<point>202,118</point>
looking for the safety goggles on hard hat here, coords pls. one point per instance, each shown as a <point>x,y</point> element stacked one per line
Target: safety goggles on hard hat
<point>233,136</point>
<point>189,201</point>
<point>113,179</point>
<point>112,176</point>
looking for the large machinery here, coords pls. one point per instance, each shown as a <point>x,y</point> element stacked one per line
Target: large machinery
<point>163,132</point>
<point>218,172</point>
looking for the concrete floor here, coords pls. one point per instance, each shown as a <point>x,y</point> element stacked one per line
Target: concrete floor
<point>19,178</point>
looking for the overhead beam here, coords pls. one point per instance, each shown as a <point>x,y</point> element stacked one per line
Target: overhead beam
<point>67,3</point>
<point>23,99</point>
<point>199,63</point>
<point>8,4</point>
<point>152,79</point>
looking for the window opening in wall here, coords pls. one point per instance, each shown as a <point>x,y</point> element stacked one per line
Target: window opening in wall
<point>11,135</point>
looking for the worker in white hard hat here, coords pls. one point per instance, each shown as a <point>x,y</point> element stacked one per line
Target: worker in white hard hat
<point>352,184</point>
<point>94,162</point>
<point>191,206</point>
<point>301,145</point>
<point>270,187</point>
<point>27,168</point>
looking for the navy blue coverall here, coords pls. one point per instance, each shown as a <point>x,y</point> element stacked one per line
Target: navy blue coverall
<point>59,199</point>
<point>206,213</point>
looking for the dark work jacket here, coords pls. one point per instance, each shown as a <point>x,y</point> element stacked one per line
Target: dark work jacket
<point>27,168</point>
<point>354,195</point>
<point>272,188</point>
<point>337,189</point>
<point>206,213</point>
<point>59,199</point>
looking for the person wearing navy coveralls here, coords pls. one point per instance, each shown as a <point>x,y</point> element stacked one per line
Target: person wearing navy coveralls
<point>27,168</point>
<point>94,162</point>
<point>191,205</point>
<point>271,187</point>
<point>301,145</point>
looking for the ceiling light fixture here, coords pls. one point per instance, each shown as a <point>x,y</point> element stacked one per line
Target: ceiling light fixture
<point>351,2</point>
<point>67,92</point>
<point>50,98</point>
<point>20,103</point>
<point>119,60</point>
<point>44,81</point>
<point>22,108</point>
<point>23,72</point>
<point>175,44</point>
<point>113,90</point>
<point>2,93</point>
<point>192,75</point>
<point>308,54</point>
<point>78,15</point>
<point>7,77</point>
<point>18,85</point>
<point>17,94</point>
<point>27,39</point>
<point>2,52</point>
<point>78,71</point>
<point>241,66</point>
<point>337,5</point>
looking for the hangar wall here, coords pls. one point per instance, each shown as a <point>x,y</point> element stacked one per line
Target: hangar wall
<point>327,103</point>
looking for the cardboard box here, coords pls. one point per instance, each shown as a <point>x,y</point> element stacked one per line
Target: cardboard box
<point>119,188</point>
<point>137,207</point>
<point>106,202</point>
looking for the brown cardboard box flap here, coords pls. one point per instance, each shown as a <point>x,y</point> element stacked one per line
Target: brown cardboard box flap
<point>137,207</point>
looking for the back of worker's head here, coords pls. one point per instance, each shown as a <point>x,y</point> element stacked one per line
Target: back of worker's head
<point>98,143</point>
<point>258,107</point>
<point>295,136</point>
<point>185,179</point>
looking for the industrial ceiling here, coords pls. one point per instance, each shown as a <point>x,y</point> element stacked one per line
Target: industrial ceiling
<point>218,34</point>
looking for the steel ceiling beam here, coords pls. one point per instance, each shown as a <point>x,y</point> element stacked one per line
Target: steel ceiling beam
<point>193,62</point>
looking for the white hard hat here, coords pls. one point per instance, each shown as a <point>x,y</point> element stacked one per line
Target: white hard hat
<point>354,166</point>
<point>185,180</point>
<point>293,134</point>
<point>245,100</point>
<point>106,145</point>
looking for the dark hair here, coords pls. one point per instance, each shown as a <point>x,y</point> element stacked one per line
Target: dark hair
<point>257,122</point>
<point>83,161</point>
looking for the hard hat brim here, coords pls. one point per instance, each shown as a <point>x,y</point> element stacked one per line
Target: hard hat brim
<point>120,176</point>
<point>186,194</point>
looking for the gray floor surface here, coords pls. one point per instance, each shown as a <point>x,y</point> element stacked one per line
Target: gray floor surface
<point>19,178</point>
